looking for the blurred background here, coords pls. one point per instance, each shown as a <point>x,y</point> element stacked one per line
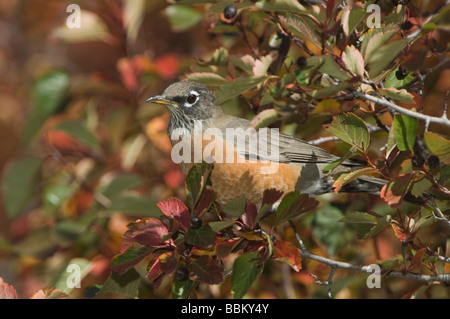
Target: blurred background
<point>81,156</point>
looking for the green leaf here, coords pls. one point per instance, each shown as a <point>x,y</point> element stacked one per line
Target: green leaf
<point>352,16</point>
<point>50,91</point>
<point>201,237</point>
<point>182,17</point>
<point>399,95</point>
<point>85,266</point>
<point>326,64</point>
<point>126,284</point>
<point>68,231</point>
<point>235,208</point>
<point>329,231</point>
<point>375,39</point>
<point>346,178</point>
<point>49,94</point>
<point>237,87</point>
<point>134,205</point>
<point>196,181</point>
<point>219,58</point>
<point>292,205</point>
<point>38,243</point>
<point>19,182</point>
<point>264,118</point>
<point>246,269</point>
<point>220,225</point>
<point>351,129</point>
<point>393,82</point>
<point>181,289</point>
<point>383,56</point>
<point>354,60</point>
<point>120,183</point>
<point>133,255</point>
<point>420,186</point>
<point>329,90</point>
<point>303,27</point>
<point>365,224</point>
<point>437,145</point>
<point>405,130</point>
<point>79,132</point>
<point>328,169</point>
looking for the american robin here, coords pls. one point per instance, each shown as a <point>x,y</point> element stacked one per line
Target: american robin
<point>299,165</point>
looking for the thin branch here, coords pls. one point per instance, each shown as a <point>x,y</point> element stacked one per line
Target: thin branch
<point>327,283</point>
<point>389,105</point>
<point>437,213</point>
<point>372,129</point>
<point>443,278</point>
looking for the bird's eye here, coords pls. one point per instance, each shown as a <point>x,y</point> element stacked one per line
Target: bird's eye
<point>192,98</point>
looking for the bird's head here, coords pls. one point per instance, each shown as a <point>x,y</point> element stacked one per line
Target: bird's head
<point>187,102</point>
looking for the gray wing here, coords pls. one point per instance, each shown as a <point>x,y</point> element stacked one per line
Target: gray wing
<point>269,144</point>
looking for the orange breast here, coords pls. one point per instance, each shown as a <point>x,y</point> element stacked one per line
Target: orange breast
<point>234,176</point>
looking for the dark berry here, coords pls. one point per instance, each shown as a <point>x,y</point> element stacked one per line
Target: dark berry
<point>433,161</point>
<point>182,274</point>
<point>301,61</point>
<point>195,222</point>
<point>406,25</point>
<point>230,11</point>
<point>400,74</point>
<point>417,161</point>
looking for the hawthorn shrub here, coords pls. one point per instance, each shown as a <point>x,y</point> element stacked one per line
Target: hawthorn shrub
<point>98,192</point>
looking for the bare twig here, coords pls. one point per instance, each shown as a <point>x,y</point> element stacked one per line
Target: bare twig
<point>326,283</point>
<point>394,107</point>
<point>321,140</point>
<point>437,213</point>
<point>442,278</point>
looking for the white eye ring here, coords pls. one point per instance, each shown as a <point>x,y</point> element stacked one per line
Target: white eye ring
<point>192,98</point>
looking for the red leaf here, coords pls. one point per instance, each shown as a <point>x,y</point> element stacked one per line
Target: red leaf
<point>176,209</point>
<point>174,178</point>
<point>7,291</point>
<point>286,252</point>
<point>393,192</point>
<point>404,235</point>
<point>128,74</point>
<point>206,269</point>
<point>208,197</point>
<point>224,247</point>
<point>167,66</point>
<point>271,196</point>
<point>64,143</point>
<point>168,262</point>
<point>416,262</point>
<point>154,274</point>
<point>249,217</point>
<point>147,231</point>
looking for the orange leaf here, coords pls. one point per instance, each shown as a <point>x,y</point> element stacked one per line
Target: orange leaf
<point>287,252</point>
<point>167,66</point>
<point>7,291</point>
<point>393,192</point>
<point>416,262</point>
<point>402,234</point>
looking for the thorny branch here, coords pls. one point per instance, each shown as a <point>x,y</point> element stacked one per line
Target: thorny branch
<point>442,278</point>
<point>394,107</point>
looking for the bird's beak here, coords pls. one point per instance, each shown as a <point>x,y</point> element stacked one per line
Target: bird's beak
<point>160,99</point>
